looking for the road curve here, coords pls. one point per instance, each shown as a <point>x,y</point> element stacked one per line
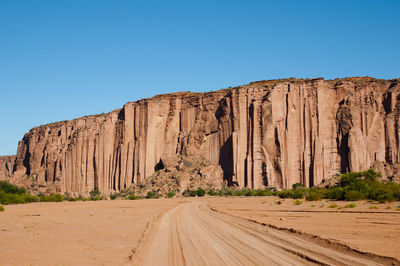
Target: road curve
<point>193,234</point>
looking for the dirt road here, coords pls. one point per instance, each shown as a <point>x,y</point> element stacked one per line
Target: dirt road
<point>193,234</point>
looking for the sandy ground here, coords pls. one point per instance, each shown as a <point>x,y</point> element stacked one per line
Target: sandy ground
<point>193,234</point>
<point>75,233</point>
<point>151,232</point>
<point>369,230</point>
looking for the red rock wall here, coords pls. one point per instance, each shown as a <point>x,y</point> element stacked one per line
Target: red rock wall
<point>273,133</point>
<point>6,167</point>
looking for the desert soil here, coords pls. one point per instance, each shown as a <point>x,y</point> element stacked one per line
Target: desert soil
<point>75,233</point>
<point>368,230</point>
<point>196,232</point>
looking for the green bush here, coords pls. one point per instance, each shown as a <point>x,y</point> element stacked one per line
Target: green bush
<point>396,194</point>
<point>201,192</point>
<point>226,192</point>
<point>171,194</point>
<point>67,196</point>
<point>251,193</point>
<point>298,185</point>
<point>11,194</point>
<point>241,192</point>
<point>80,198</point>
<point>294,193</point>
<point>351,205</point>
<point>94,193</point>
<point>198,192</point>
<point>336,193</point>
<point>298,194</point>
<point>364,185</point>
<point>375,207</point>
<point>384,192</point>
<point>285,194</point>
<point>30,198</point>
<point>8,188</point>
<point>353,195</point>
<point>383,195</point>
<point>96,198</point>
<point>314,196</point>
<point>132,196</point>
<point>193,193</point>
<point>51,198</point>
<point>212,192</point>
<point>297,202</point>
<point>1,208</point>
<point>354,178</point>
<point>8,198</point>
<point>152,195</point>
<point>113,196</point>
<point>264,193</point>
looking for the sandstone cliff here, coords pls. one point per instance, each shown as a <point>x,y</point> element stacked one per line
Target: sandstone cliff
<point>267,133</point>
<point>6,167</point>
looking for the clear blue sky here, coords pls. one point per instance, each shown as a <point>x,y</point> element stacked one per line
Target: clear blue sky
<point>65,59</point>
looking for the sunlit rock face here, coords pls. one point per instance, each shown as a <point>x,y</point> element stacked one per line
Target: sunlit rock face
<point>268,133</point>
<point>6,167</point>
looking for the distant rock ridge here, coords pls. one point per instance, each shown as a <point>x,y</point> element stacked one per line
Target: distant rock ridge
<point>268,133</point>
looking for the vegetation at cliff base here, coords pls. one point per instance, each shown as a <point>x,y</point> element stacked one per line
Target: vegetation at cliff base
<point>229,191</point>
<point>132,196</point>
<point>51,198</point>
<point>352,186</point>
<point>95,195</point>
<point>171,194</point>
<point>11,194</point>
<point>355,186</point>
<point>199,192</point>
<point>153,195</point>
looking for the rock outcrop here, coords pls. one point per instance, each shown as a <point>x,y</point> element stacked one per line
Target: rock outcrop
<point>267,133</point>
<point>6,167</point>
<point>181,173</point>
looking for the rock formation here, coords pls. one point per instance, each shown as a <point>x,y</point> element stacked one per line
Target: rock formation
<point>6,167</point>
<point>267,133</point>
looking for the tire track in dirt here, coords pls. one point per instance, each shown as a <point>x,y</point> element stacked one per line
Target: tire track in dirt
<point>194,234</point>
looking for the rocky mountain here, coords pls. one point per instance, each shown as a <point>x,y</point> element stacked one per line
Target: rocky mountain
<point>267,133</point>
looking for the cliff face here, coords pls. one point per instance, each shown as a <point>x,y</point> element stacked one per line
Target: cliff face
<point>6,167</point>
<point>267,133</point>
